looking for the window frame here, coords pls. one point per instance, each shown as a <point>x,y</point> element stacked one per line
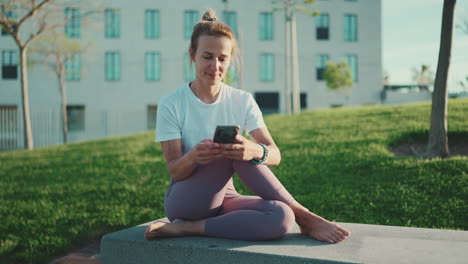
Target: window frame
<point>350,27</point>
<point>73,22</point>
<point>81,126</point>
<point>113,66</point>
<point>320,28</point>
<point>112,23</point>
<point>152,24</point>
<point>266,26</point>
<point>321,60</point>
<point>153,70</point>
<point>191,17</point>
<point>267,67</point>
<point>10,65</point>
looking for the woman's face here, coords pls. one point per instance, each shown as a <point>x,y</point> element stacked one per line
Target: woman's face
<point>212,59</point>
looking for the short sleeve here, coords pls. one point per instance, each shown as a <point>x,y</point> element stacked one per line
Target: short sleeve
<point>254,118</point>
<point>167,125</point>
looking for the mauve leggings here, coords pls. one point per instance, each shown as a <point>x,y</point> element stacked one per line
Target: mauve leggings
<point>210,194</point>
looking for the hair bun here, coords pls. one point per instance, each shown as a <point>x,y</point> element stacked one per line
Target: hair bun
<point>209,15</point>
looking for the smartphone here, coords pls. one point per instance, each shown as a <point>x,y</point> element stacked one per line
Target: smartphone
<point>226,134</point>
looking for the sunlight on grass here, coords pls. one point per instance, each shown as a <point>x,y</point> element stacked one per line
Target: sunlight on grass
<point>337,162</point>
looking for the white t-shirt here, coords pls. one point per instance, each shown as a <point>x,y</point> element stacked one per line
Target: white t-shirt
<point>182,115</point>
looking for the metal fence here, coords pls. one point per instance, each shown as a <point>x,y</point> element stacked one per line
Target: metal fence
<point>47,128</point>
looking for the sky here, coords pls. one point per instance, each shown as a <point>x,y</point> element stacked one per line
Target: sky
<point>411,37</point>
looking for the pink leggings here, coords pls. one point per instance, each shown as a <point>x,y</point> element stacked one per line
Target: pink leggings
<point>210,194</point>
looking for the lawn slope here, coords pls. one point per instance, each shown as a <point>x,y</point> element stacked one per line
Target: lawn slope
<point>336,162</point>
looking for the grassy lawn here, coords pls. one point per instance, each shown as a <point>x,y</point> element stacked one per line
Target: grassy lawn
<point>336,162</point>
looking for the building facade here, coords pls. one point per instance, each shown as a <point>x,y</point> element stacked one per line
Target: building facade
<point>139,53</point>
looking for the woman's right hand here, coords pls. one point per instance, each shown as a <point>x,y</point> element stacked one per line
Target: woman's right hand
<point>206,151</point>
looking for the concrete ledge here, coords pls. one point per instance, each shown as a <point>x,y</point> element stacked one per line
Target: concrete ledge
<point>367,244</point>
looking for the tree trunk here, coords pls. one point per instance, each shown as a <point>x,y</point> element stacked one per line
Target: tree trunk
<point>287,64</point>
<point>63,93</point>
<point>28,138</point>
<point>295,69</point>
<point>438,142</point>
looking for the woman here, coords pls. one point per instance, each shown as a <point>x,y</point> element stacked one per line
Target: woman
<point>201,199</point>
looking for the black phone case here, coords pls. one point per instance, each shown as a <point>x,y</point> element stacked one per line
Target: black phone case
<point>225,134</point>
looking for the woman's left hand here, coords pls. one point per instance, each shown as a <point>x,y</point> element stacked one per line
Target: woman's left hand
<point>243,149</point>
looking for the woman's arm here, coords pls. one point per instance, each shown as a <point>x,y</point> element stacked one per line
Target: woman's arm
<point>246,149</point>
<point>262,135</point>
<point>181,166</point>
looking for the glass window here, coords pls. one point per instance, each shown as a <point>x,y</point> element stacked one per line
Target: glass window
<point>266,26</point>
<point>350,28</point>
<point>73,22</point>
<point>73,68</point>
<point>76,118</point>
<point>112,17</point>
<point>268,102</point>
<point>322,27</point>
<point>352,61</point>
<point>191,17</point>
<point>267,67</point>
<point>112,66</point>
<point>153,66</point>
<point>230,18</point>
<point>10,64</point>
<point>151,116</point>
<point>189,71</point>
<point>320,65</point>
<point>9,137</point>
<point>152,24</point>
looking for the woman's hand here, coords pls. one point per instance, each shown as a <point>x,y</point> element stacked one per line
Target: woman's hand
<point>243,149</point>
<point>206,151</point>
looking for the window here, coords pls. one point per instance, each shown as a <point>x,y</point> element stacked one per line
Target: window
<point>322,27</point>
<point>191,17</point>
<point>112,66</point>
<point>266,26</point>
<point>76,118</point>
<point>267,67</point>
<point>73,23</point>
<point>10,64</point>
<point>151,116</point>
<point>320,65</point>
<point>352,61</point>
<point>153,66</point>
<point>73,68</point>
<point>350,28</point>
<point>303,100</point>
<point>268,102</point>
<point>8,127</point>
<point>189,72</point>
<point>112,16</point>
<point>230,18</point>
<point>152,24</point>
<point>11,15</point>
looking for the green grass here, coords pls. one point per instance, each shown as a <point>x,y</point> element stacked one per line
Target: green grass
<point>336,162</point>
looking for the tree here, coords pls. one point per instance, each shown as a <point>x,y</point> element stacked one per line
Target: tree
<point>438,142</point>
<point>32,19</point>
<point>55,50</point>
<point>424,77</point>
<point>463,26</point>
<point>291,59</point>
<point>338,78</point>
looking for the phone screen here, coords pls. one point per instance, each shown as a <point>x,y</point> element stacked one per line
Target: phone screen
<point>225,134</point>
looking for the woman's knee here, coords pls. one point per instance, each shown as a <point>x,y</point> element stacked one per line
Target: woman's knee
<point>284,220</point>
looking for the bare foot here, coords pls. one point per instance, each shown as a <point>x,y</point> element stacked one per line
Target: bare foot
<point>321,229</point>
<point>176,228</point>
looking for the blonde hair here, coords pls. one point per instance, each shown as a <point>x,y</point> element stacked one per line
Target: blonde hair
<point>211,26</point>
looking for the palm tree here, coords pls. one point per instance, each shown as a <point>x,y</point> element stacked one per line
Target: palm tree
<point>438,142</point>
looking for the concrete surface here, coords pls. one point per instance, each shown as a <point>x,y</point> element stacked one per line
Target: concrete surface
<point>367,244</point>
